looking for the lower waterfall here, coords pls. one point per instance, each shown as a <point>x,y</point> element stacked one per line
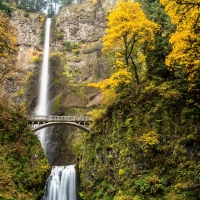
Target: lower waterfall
<point>61,184</point>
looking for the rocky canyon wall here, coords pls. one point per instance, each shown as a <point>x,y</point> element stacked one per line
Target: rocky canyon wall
<point>75,38</point>
<point>75,59</point>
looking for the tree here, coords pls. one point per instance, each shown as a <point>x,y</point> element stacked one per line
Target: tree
<point>5,8</point>
<point>118,81</point>
<point>7,49</point>
<point>156,67</point>
<point>129,30</point>
<point>184,57</point>
<point>30,5</point>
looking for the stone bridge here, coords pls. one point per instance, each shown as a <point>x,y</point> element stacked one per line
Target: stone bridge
<point>39,122</point>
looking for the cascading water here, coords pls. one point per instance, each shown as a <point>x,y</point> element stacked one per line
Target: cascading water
<point>61,184</point>
<point>42,107</point>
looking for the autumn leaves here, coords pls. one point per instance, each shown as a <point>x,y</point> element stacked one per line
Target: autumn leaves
<point>184,57</point>
<point>130,34</point>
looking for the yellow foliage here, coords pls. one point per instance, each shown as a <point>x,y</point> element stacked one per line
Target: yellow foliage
<point>128,30</point>
<point>95,114</point>
<point>108,86</point>
<point>128,20</point>
<point>121,172</point>
<point>150,139</point>
<point>20,93</point>
<point>46,167</point>
<point>186,40</point>
<point>95,2</point>
<point>36,58</point>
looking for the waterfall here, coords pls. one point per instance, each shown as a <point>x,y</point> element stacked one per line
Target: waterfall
<point>61,184</point>
<point>42,107</point>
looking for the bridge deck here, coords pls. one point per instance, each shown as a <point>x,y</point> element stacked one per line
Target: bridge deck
<point>54,118</point>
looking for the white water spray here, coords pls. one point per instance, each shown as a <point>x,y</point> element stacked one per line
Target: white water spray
<point>42,107</point>
<point>61,184</point>
<point>43,96</point>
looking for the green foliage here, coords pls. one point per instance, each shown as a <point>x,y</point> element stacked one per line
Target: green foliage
<point>145,145</point>
<point>31,5</point>
<point>59,36</point>
<point>156,68</point>
<point>42,36</point>
<point>124,198</point>
<point>23,166</point>
<point>56,104</point>
<point>5,8</point>
<point>66,2</point>
<point>26,14</point>
<point>70,46</point>
<point>149,185</point>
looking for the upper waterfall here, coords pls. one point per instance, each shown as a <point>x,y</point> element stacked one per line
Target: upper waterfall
<point>42,109</point>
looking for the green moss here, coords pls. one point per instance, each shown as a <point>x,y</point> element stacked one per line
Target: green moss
<point>42,36</point>
<point>121,172</point>
<point>71,46</point>
<point>26,14</point>
<point>23,166</point>
<point>145,145</point>
<point>59,36</point>
<point>56,104</point>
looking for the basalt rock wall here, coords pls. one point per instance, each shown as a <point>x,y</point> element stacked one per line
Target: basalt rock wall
<point>76,58</point>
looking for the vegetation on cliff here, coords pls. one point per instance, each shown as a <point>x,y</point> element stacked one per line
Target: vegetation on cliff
<point>144,143</point>
<point>146,146</point>
<point>7,48</point>
<point>23,165</point>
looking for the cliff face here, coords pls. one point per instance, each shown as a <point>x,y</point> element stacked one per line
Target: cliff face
<point>76,42</point>
<point>27,32</point>
<point>75,38</point>
<point>75,59</point>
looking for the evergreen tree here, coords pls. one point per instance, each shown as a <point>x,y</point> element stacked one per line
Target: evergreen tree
<point>5,8</point>
<point>51,11</point>
<point>156,57</point>
<point>30,5</point>
<point>65,2</point>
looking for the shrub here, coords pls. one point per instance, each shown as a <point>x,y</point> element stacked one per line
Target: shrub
<point>70,46</point>
<point>26,14</point>
<point>42,36</point>
<point>149,185</point>
<point>59,36</point>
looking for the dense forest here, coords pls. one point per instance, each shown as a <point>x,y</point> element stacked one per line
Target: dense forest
<point>144,142</point>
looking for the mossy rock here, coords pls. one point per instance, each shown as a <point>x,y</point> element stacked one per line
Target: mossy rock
<point>23,165</point>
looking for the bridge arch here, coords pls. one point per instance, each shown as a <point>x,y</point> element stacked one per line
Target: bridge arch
<point>41,126</point>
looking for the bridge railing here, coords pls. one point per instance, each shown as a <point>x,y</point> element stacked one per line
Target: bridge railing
<point>54,118</point>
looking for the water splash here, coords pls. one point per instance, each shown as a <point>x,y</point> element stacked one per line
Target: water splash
<point>61,184</point>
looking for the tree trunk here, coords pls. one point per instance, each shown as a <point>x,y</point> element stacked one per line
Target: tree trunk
<point>135,70</point>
